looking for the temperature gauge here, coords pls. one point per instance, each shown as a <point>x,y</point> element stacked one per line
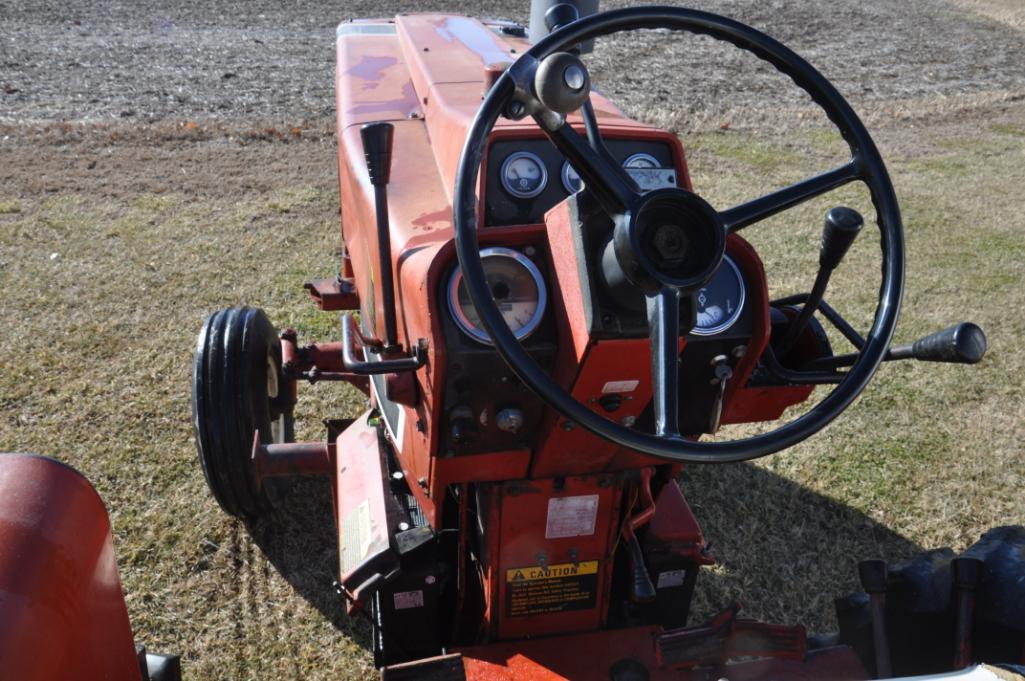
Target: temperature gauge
<point>524,175</point>
<point>720,303</point>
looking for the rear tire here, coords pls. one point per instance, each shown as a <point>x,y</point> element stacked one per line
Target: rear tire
<point>237,389</point>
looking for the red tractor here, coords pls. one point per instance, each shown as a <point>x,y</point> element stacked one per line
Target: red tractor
<point>548,322</point>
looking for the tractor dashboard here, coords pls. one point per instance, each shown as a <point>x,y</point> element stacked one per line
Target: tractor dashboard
<point>524,179</point>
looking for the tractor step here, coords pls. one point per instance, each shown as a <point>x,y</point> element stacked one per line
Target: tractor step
<point>332,294</point>
<point>618,655</point>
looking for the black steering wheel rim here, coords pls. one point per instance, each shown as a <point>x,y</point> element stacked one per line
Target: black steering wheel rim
<point>866,165</point>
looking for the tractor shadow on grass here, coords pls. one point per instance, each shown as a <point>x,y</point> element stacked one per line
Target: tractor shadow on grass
<point>300,541</point>
<point>784,552</point>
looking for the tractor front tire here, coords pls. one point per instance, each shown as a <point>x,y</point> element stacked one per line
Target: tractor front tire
<point>238,389</point>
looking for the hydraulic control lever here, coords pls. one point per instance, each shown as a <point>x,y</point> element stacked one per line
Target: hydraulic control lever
<point>962,343</point>
<point>840,230</point>
<point>377,148</point>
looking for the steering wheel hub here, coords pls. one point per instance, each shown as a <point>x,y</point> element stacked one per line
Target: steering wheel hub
<point>672,238</point>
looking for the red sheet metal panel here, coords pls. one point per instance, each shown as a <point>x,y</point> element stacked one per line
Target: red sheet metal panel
<point>553,544</point>
<point>363,532</point>
<point>62,612</point>
<point>371,81</point>
<point>743,404</point>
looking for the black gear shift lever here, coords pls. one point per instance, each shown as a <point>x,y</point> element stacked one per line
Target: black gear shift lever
<point>841,229</point>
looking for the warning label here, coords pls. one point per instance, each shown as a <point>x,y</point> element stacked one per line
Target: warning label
<point>536,590</point>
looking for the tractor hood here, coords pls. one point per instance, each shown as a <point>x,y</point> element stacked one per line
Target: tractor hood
<point>435,69</point>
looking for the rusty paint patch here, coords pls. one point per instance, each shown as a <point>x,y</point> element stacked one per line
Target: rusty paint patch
<point>406,103</point>
<point>431,221</point>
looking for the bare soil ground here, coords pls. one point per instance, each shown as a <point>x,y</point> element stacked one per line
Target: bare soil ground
<point>161,160</point>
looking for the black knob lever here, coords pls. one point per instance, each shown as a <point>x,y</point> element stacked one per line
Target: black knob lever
<point>377,149</point>
<point>841,229</point>
<point>377,145</point>
<point>963,343</point>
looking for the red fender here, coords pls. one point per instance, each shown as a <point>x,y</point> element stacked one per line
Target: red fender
<point>62,611</point>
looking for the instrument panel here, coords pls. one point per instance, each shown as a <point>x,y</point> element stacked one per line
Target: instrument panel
<point>526,178</point>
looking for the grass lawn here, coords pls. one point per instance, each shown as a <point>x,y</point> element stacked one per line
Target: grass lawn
<point>115,243</point>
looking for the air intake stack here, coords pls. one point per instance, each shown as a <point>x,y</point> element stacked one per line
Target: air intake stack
<point>538,9</point>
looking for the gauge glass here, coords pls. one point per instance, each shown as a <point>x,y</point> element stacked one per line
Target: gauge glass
<point>517,287</point>
<point>721,301</point>
<point>642,161</point>
<point>524,174</point>
<point>570,180</point>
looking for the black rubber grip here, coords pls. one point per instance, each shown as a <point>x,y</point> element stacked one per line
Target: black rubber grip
<point>963,343</point>
<point>841,229</point>
<point>377,145</point>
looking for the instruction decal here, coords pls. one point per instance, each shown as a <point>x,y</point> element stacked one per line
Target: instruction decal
<point>571,516</point>
<point>536,589</point>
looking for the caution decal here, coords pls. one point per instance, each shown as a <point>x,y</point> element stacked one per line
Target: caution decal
<point>535,572</point>
<point>535,590</point>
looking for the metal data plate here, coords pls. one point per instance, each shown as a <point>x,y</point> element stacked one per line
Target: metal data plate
<point>653,178</point>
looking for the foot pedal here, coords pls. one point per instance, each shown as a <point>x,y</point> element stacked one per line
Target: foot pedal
<point>441,668</point>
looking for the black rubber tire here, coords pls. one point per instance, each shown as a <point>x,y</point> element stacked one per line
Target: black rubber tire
<point>231,399</point>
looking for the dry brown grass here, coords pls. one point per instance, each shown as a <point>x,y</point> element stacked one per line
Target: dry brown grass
<point>115,243</point>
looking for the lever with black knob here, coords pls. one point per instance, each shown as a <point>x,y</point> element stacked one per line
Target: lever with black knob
<point>962,343</point>
<point>377,141</point>
<point>841,228</point>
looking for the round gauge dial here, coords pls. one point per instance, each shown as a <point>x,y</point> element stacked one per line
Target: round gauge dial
<point>643,161</point>
<point>517,287</point>
<point>524,174</point>
<point>570,180</point>
<point>720,303</point>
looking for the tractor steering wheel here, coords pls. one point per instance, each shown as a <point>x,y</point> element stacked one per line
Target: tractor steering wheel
<point>670,242</point>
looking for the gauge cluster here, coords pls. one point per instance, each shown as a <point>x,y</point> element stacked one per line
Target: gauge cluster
<point>526,178</point>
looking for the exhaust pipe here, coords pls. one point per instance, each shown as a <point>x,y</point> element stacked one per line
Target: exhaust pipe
<point>538,9</point>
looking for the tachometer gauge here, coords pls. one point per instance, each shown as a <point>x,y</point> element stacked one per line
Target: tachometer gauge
<point>524,174</point>
<point>720,303</point>
<point>517,287</point>
<point>570,180</point>
<point>642,162</point>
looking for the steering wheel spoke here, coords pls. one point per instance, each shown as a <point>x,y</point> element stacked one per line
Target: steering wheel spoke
<point>746,214</point>
<point>610,184</point>
<point>664,336</point>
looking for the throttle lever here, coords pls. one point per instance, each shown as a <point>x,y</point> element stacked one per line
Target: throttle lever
<point>963,343</point>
